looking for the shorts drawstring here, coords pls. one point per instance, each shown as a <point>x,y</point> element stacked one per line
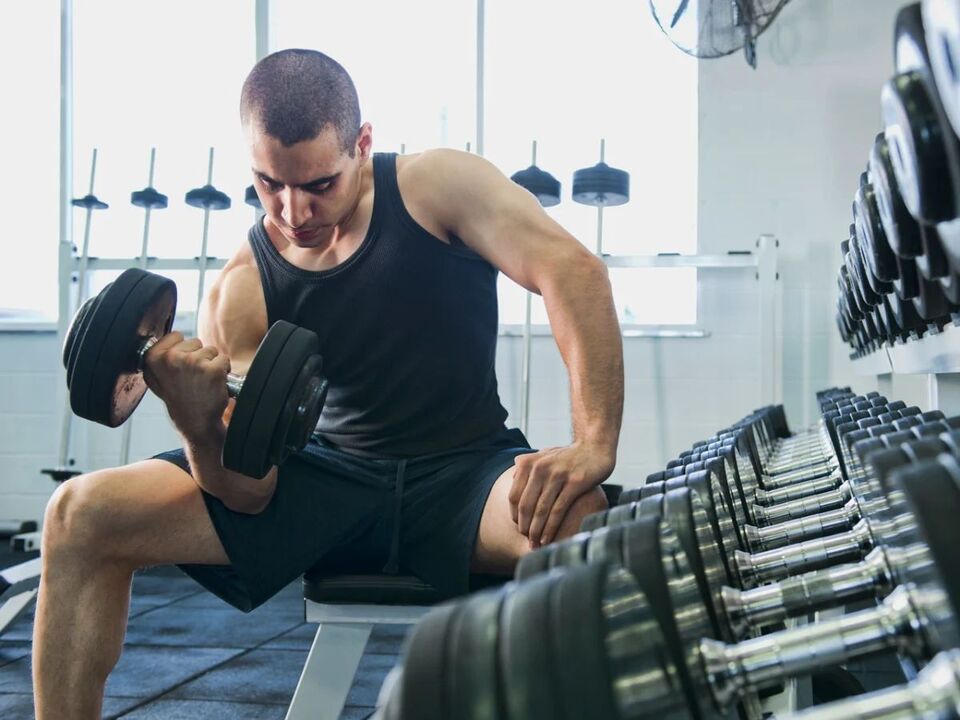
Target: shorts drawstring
<point>393,563</point>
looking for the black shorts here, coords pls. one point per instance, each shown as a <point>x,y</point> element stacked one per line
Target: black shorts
<point>344,513</point>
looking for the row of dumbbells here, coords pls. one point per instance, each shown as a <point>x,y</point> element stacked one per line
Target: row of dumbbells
<point>900,272</point>
<point>673,602</point>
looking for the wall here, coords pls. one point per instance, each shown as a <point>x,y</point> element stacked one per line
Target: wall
<point>781,151</point>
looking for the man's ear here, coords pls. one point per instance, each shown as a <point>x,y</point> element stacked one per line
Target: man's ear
<point>365,141</point>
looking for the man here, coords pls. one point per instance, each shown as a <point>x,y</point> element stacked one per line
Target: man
<point>393,262</point>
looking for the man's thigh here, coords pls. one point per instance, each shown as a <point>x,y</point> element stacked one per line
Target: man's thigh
<point>500,544</point>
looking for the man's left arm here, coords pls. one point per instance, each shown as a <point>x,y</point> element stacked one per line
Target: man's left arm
<point>505,224</point>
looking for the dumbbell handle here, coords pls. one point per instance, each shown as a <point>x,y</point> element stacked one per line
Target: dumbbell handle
<point>234,381</point>
<point>804,528</point>
<point>934,694</point>
<point>834,587</point>
<point>798,490</point>
<point>770,565</point>
<point>898,622</point>
<point>801,507</point>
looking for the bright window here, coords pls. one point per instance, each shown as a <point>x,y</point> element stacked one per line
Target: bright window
<point>177,88</point>
<point>563,74</point>
<point>568,76</point>
<point>29,185</point>
<point>414,63</point>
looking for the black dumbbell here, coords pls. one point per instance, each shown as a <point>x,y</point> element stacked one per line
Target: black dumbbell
<point>278,401</point>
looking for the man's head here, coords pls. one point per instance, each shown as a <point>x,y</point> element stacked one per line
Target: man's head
<point>301,116</point>
<point>292,95</point>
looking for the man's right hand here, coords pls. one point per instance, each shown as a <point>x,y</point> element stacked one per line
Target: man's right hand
<point>191,380</point>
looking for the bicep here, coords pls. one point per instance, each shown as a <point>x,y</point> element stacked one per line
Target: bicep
<point>231,320</point>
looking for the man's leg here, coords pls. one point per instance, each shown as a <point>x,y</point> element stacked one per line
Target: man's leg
<point>98,529</point>
<point>499,542</point>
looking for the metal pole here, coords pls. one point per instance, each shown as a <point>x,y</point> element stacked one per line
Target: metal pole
<point>481,19</point>
<point>525,371</point>
<point>67,420</point>
<point>262,28</point>
<point>603,148</point>
<point>203,249</point>
<point>66,188</point>
<point>125,438</point>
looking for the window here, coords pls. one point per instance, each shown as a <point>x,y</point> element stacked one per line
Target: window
<point>29,185</point>
<point>568,76</point>
<point>559,73</point>
<point>177,88</point>
<point>416,82</point>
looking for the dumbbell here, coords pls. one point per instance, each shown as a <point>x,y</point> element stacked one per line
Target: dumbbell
<point>711,549</point>
<point>278,401</point>
<point>806,506</point>
<point>748,569</point>
<point>933,694</point>
<point>778,497</point>
<point>918,617</point>
<point>498,654</point>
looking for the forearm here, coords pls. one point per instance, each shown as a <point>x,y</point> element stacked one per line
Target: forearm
<point>238,492</point>
<point>584,321</point>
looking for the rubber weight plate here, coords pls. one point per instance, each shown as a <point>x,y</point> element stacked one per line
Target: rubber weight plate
<point>899,226</point>
<point>528,672</point>
<point>262,419</point>
<point>238,433</point>
<point>533,563</point>
<point>941,21</point>
<point>932,491</point>
<point>424,666</point>
<point>647,569</point>
<point>104,381</point>
<point>471,685</point>
<point>293,382</point>
<point>304,402</point>
<point>602,625</point>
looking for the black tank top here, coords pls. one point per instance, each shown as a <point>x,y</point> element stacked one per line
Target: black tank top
<point>408,332</point>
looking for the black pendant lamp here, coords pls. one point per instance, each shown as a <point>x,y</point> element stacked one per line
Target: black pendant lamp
<point>544,186</point>
<point>601,186</point>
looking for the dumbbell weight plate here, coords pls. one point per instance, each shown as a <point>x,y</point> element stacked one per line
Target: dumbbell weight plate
<point>528,668</point>
<point>75,331</point>
<point>600,619</point>
<point>424,664</point>
<point>104,382</point>
<point>471,684</point>
<point>899,226</point>
<point>274,378</point>
<point>934,501</point>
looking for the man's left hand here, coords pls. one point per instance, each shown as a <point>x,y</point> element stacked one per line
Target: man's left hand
<point>546,483</point>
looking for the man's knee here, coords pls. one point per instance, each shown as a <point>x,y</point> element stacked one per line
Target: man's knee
<point>77,515</point>
<point>591,502</point>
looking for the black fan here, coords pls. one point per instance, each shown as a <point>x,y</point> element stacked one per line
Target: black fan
<point>714,28</point>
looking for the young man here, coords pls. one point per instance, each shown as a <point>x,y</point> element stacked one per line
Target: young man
<point>393,262</point>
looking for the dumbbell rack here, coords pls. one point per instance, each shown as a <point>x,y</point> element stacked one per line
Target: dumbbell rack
<point>936,354</point>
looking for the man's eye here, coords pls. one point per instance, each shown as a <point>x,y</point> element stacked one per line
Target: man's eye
<point>270,185</point>
<point>320,189</point>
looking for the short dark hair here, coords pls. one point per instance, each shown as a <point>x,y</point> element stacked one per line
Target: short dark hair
<point>292,95</point>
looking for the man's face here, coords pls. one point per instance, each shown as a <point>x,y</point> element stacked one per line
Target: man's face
<point>308,188</point>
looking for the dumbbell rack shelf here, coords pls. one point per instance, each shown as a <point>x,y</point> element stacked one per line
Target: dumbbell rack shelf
<point>936,355</point>
<point>933,353</point>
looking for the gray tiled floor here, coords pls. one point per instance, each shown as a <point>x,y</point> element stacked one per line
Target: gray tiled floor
<point>189,655</point>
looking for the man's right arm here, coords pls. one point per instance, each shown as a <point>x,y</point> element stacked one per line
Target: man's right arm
<point>190,377</point>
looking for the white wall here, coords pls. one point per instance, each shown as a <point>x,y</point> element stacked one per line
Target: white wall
<point>781,151</point>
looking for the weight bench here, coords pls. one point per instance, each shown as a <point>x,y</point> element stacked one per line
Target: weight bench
<point>346,608</point>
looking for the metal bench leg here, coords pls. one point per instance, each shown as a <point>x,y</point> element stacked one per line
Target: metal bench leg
<point>328,673</point>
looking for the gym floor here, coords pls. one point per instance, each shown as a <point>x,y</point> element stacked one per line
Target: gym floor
<point>190,655</point>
